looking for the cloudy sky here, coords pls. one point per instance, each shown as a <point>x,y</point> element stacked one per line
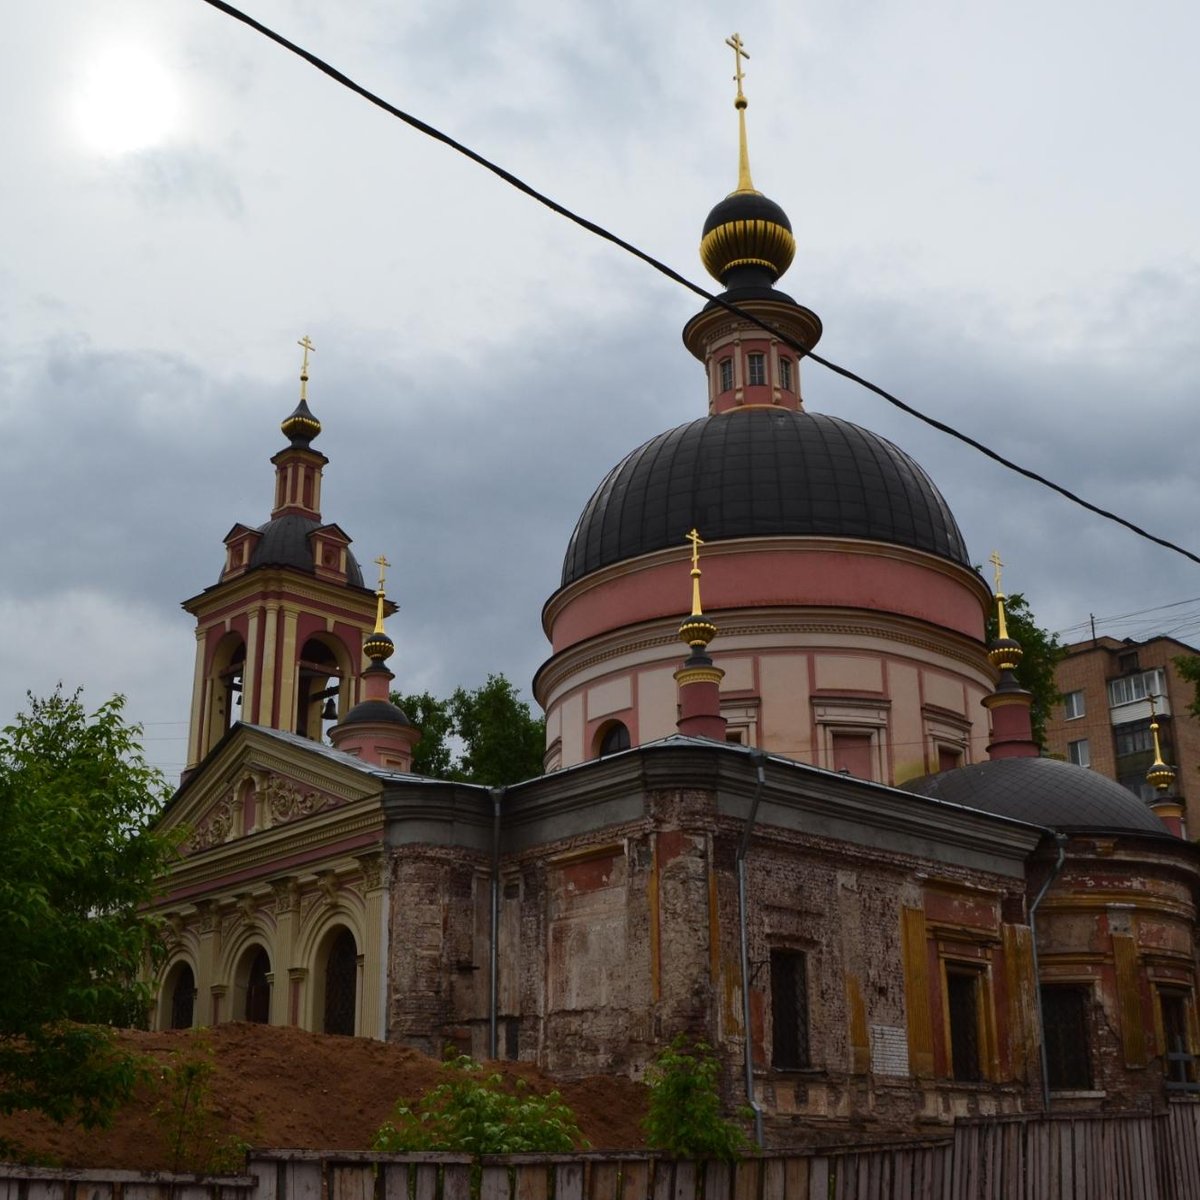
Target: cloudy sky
<point>995,209</point>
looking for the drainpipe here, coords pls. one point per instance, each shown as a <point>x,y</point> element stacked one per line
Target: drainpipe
<point>494,953</point>
<point>1061,841</point>
<point>759,759</point>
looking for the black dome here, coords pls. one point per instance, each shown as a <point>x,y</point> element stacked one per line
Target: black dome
<point>746,206</point>
<point>761,472</point>
<point>284,543</point>
<point>1043,791</point>
<point>374,712</point>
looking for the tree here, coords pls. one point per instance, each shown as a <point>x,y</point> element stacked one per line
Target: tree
<point>684,1117</point>
<point>474,1113</point>
<point>78,861</point>
<point>1041,654</point>
<point>1188,666</point>
<point>501,740</point>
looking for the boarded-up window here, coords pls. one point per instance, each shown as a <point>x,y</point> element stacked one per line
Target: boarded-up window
<point>789,1010</point>
<point>852,753</point>
<point>1064,1014</point>
<point>948,758</point>
<point>962,995</point>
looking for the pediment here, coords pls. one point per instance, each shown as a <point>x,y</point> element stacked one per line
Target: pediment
<point>253,783</point>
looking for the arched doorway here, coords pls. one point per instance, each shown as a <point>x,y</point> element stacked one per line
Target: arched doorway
<point>258,989</point>
<point>183,998</point>
<point>341,984</point>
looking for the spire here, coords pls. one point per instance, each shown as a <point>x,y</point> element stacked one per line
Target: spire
<point>300,425</point>
<point>1160,776</point>
<point>1009,704</point>
<point>699,681</point>
<point>745,183</point>
<point>375,729</point>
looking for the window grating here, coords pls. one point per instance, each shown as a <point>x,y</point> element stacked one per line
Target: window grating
<point>789,1010</point>
<point>1064,1019</point>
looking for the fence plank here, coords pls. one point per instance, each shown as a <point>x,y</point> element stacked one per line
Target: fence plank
<point>568,1180</point>
<point>533,1181</point>
<point>818,1178</point>
<point>746,1175</point>
<point>686,1180</point>
<point>456,1182</point>
<point>604,1180</point>
<point>351,1182</point>
<point>493,1183</point>
<point>795,1178</point>
<point>717,1177</point>
<point>637,1179</point>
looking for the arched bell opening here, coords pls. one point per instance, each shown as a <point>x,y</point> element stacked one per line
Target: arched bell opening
<point>225,680</point>
<point>323,685</point>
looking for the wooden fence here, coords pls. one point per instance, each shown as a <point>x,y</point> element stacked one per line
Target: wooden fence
<point>56,1183</point>
<point>1018,1158</point>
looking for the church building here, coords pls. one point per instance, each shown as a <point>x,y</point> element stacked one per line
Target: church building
<point>791,802</point>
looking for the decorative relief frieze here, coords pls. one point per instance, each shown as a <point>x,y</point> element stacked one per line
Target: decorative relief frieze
<point>287,802</point>
<point>214,827</point>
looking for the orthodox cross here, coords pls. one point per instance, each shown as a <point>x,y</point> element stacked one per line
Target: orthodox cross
<point>739,52</point>
<point>996,565</point>
<point>383,564</point>
<point>696,540</point>
<point>306,342</point>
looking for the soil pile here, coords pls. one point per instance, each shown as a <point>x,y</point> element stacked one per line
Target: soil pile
<point>281,1087</point>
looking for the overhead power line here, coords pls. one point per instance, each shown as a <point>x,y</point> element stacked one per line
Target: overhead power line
<point>600,232</point>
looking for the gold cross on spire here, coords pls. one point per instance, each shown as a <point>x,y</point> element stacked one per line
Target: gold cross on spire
<point>745,183</point>
<point>306,342</point>
<point>383,564</point>
<point>996,565</point>
<point>697,542</point>
<point>739,52</point>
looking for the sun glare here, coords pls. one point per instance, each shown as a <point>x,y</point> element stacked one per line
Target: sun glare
<point>127,101</point>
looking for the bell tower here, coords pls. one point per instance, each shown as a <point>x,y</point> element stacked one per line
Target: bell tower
<point>279,638</point>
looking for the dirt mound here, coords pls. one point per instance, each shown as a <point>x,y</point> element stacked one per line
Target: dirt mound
<point>282,1087</point>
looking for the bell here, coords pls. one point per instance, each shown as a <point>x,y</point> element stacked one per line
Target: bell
<point>329,712</point>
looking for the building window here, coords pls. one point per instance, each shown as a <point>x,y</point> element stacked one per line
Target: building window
<point>258,989</point>
<point>785,374</point>
<point>1073,706</point>
<point>1127,661</point>
<point>1079,753</point>
<point>1179,1062</point>
<point>962,1002</point>
<point>614,738</point>
<point>1135,687</point>
<point>756,368</point>
<point>1134,738</point>
<point>726,369</point>
<point>1064,1020</point>
<point>949,758</point>
<point>341,984</point>
<point>789,1010</point>
<point>183,998</point>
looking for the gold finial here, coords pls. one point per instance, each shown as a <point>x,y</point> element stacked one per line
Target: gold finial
<point>745,183</point>
<point>306,342</point>
<point>1159,776</point>
<point>697,542</point>
<point>1001,618</point>
<point>383,564</point>
<point>697,630</point>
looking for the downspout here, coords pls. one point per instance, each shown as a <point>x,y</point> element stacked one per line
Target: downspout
<point>497,795</point>
<point>1061,840</point>
<point>759,759</point>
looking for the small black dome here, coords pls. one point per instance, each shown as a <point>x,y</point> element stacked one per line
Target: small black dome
<point>746,206</point>
<point>1043,791</point>
<point>284,543</point>
<point>761,472</point>
<point>375,711</point>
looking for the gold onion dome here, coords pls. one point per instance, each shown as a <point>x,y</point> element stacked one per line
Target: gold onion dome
<point>300,425</point>
<point>747,230</point>
<point>378,646</point>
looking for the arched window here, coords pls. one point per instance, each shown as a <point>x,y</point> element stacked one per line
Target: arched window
<point>183,998</point>
<point>341,984</point>
<point>320,681</point>
<point>258,989</point>
<point>614,737</point>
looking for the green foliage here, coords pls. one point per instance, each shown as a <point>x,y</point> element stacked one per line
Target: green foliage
<point>78,861</point>
<point>1042,652</point>
<point>1188,666</point>
<point>473,1113</point>
<point>196,1136</point>
<point>502,742</point>
<point>684,1119</point>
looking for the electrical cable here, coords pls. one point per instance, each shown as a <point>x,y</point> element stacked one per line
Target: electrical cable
<point>600,232</point>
